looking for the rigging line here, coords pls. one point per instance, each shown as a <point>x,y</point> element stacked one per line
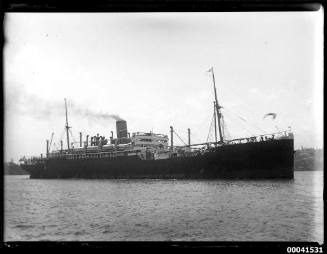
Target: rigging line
<point>226,128</point>
<point>71,133</point>
<point>252,125</point>
<point>179,137</point>
<point>245,127</point>
<point>249,131</point>
<point>249,108</point>
<point>199,128</point>
<point>243,102</point>
<point>227,135</point>
<point>223,125</point>
<point>51,140</point>
<point>54,146</point>
<point>210,128</point>
<point>249,123</point>
<point>62,134</point>
<point>226,131</point>
<point>185,132</point>
<point>258,128</point>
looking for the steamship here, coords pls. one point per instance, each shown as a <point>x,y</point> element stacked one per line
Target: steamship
<point>147,155</point>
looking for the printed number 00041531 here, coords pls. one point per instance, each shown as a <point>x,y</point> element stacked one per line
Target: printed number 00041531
<point>304,250</point>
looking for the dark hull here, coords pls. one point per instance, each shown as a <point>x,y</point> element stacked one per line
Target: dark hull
<point>270,159</point>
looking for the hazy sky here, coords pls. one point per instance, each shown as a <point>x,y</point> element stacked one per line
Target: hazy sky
<point>151,70</point>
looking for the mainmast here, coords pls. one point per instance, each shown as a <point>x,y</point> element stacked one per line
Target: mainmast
<point>67,126</point>
<point>214,118</point>
<point>217,107</point>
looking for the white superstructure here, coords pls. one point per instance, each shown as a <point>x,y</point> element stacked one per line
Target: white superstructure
<point>149,140</point>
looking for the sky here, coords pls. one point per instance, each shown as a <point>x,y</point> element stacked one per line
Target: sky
<point>151,69</point>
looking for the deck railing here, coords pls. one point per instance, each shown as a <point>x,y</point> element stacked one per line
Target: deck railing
<point>178,151</point>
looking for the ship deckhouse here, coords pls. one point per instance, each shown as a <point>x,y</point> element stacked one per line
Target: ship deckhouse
<point>149,140</point>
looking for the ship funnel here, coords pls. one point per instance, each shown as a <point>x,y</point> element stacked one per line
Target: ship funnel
<point>121,127</point>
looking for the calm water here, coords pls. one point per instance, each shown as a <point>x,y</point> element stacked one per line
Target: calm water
<point>217,210</point>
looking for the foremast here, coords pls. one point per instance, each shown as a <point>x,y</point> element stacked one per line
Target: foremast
<point>67,126</point>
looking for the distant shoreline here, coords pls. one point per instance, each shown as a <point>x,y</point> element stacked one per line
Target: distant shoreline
<point>309,159</point>
<point>11,168</point>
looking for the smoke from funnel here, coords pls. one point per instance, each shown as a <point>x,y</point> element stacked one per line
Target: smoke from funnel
<point>78,110</point>
<point>18,101</point>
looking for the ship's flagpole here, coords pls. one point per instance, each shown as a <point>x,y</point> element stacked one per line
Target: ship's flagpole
<point>67,126</point>
<point>217,106</point>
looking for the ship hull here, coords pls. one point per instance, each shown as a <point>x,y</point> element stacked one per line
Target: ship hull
<point>270,159</point>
